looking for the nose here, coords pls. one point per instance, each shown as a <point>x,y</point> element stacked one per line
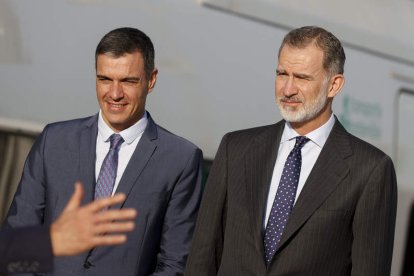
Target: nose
<point>117,91</point>
<point>289,88</point>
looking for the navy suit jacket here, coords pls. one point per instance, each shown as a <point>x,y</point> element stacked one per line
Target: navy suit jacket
<point>162,182</point>
<point>26,249</point>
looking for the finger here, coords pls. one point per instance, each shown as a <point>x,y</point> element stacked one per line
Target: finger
<point>111,215</point>
<point>76,198</point>
<point>109,240</point>
<point>102,203</point>
<point>114,227</point>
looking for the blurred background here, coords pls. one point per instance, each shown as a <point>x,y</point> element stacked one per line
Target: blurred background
<point>216,62</point>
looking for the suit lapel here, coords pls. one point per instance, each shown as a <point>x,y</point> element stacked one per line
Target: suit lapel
<point>326,174</point>
<point>139,159</point>
<point>87,156</point>
<point>259,163</point>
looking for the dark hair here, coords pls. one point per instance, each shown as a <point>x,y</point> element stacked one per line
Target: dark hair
<point>334,55</point>
<point>127,40</point>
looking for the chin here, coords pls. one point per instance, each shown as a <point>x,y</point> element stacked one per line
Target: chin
<point>115,123</point>
<point>292,115</point>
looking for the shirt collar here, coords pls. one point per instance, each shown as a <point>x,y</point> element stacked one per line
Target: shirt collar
<point>317,136</point>
<point>129,134</point>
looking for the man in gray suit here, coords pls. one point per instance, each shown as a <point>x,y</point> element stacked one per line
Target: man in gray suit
<point>302,196</point>
<point>119,149</point>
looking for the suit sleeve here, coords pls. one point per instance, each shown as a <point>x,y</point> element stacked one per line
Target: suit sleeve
<point>206,250</point>
<point>26,249</point>
<point>28,204</point>
<point>374,222</point>
<point>180,218</point>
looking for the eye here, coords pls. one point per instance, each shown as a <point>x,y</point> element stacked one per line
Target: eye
<point>301,77</point>
<point>131,81</point>
<point>281,73</point>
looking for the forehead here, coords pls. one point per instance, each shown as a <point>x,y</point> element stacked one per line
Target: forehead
<point>126,62</point>
<point>305,59</point>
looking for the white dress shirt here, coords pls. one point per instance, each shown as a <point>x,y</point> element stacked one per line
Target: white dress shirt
<point>310,153</point>
<point>131,137</point>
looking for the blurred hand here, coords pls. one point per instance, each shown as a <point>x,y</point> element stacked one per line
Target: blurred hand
<point>79,229</point>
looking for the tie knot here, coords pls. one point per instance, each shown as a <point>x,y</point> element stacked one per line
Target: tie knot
<point>116,141</point>
<point>300,142</point>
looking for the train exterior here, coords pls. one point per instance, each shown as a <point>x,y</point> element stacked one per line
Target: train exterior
<point>216,62</point>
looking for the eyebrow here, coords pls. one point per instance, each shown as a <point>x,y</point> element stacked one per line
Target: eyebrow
<point>137,79</point>
<point>296,75</point>
<point>102,77</point>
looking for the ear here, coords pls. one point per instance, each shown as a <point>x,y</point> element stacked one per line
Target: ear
<point>152,80</point>
<point>335,85</point>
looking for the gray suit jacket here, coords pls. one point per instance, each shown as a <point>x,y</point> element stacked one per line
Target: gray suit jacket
<point>342,223</point>
<point>162,181</point>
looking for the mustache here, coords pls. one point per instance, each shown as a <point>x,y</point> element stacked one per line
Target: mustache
<point>293,99</point>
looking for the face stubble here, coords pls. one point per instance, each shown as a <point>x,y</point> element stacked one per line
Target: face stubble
<point>307,110</point>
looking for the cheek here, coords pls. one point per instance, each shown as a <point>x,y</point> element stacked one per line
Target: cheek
<point>135,97</point>
<point>99,94</point>
<point>313,92</point>
<point>277,92</point>
<point>278,88</point>
<point>280,85</point>
<point>100,91</point>
<point>307,90</point>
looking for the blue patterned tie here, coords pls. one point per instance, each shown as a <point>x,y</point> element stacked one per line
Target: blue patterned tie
<point>107,174</point>
<point>284,199</point>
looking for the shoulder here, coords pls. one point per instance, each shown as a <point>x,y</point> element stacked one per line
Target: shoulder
<point>237,143</point>
<point>245,137</point>
<point>368,152</point>
<point>165,138</point>
<point>172,149</point>
<point>71,125</point>
<point>171,140</point>
<point>360,150</point>
<point>170,145</point>
<point>66,133</point>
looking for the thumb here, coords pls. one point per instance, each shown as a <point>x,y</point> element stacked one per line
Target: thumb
<point>76,198</point>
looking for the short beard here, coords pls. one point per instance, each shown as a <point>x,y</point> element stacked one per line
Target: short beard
<point>305,112</point>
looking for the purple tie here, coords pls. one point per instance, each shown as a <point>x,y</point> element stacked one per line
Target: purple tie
<point>107,175</point>
<point>284,199</point>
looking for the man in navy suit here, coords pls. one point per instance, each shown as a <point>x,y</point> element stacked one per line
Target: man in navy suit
<point>159,172</point>
<point>78,229</point>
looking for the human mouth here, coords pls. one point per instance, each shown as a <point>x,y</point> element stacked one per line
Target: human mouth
<point>116,106</point>
<point>290,101</point>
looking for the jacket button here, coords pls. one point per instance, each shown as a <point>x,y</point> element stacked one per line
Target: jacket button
<point>87,265</point>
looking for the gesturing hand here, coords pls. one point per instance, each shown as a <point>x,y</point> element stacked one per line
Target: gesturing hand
<point>79,229</point>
